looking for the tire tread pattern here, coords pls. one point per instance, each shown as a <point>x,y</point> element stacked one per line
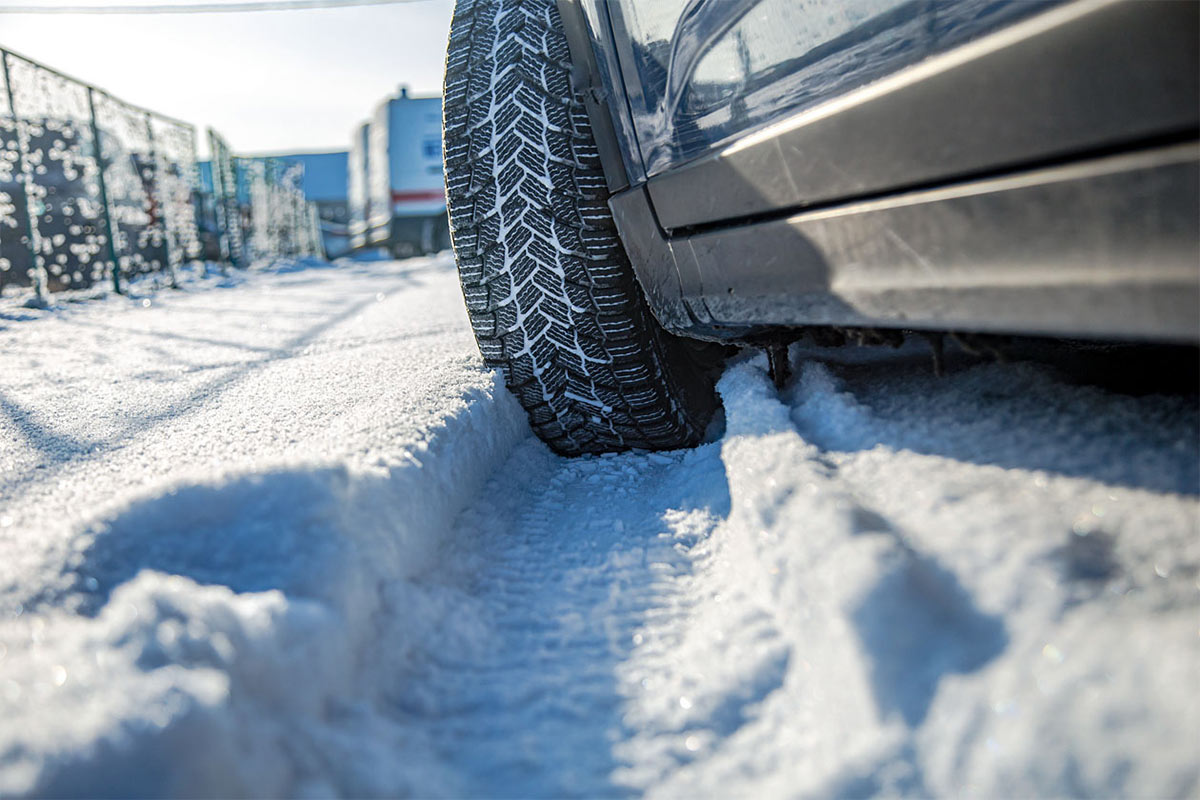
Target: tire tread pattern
<point>550,292</point>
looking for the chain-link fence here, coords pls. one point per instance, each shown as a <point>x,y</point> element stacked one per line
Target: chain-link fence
<point>93,189</point>
<point>90,186</point>
<point>258,206</point>
<point>227,220</point>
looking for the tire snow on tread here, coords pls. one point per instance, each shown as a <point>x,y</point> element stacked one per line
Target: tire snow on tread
<point>550,292</point>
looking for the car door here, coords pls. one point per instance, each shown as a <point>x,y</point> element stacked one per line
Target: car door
<point>795,103</point>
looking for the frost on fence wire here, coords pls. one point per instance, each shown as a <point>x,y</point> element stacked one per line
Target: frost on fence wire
<point>52,234</point>
<point>175,164</point>
<point>259,241</point>
<point>149,170</point>
<point>289,210</point>
<point>259,207</point>
<point>226,208</point>
<point>15,264</point>
<point>139,237</point>
<point>282,222</point>
<point>81,167</point>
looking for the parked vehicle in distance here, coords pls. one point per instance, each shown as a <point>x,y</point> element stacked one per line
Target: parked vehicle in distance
<point>632,182</point>
<point>396,189</point>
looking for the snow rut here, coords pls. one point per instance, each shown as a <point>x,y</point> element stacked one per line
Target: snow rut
<point>577,564</point>
<point>764,616</point>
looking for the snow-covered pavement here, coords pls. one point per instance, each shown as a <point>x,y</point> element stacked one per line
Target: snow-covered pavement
<point>285,537</point>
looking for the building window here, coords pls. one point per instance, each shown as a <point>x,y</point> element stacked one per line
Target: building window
<point>432,148</point>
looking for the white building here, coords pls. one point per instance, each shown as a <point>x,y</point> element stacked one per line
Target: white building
<point>405,200</point>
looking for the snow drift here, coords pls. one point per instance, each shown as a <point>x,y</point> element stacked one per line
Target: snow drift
<point>235,638</point>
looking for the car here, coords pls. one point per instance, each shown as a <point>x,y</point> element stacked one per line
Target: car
<point>635,185</point>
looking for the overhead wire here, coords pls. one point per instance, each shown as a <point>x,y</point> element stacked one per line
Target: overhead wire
<point>196,8</point>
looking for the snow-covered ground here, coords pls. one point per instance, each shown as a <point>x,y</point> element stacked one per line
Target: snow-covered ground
<point>281,535</point>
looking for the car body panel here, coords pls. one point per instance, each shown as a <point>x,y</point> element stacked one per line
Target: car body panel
<point>1050,88</point>
<point>707,71</point>
<point>1038,179</point>
<point>985,256</point>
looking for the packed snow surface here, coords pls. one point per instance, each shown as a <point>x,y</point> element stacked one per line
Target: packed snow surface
<point>282,535</point>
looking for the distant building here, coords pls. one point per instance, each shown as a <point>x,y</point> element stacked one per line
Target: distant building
<point>397,191</point>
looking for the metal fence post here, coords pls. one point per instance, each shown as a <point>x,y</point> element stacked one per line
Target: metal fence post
<point>243,225</point>
<point>229,166</point>
<point>37,262</point>
<point>157,200</point>
<point>100,167</point>
<point>225,192</point>
<point>298,222</point>
<point>271,227</point>
<point>188,241</point>
<point>220,210</point>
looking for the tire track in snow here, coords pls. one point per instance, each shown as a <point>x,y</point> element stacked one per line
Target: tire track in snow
<point>1062,509</point>
<point>571,565</point>
<point>98,426</point>
<point>638,628</point>
<point>224,636</point>
<point>847,620</point>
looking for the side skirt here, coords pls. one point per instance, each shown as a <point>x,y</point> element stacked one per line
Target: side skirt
<point>1106,248</point>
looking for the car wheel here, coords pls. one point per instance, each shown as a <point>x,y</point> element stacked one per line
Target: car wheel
<point>549,289</point>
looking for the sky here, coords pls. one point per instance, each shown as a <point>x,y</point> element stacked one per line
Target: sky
<point>272,81</point>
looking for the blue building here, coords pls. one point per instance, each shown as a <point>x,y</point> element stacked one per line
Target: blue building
<point>325,179</point>
<point>324,183</point>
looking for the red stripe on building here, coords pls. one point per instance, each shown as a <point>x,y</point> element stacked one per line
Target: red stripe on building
<point>418,196</point>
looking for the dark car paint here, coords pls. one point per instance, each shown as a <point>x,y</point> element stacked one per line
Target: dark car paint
<point>1085,79</point>
<point>660,75</point>
<point>1105,238</point>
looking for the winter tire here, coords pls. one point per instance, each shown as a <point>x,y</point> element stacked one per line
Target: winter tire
<point>550,292</point>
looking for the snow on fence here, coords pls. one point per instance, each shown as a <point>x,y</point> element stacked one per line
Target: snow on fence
<point>261,201</point>
<point>94,189</point>
<point>226,211</point>
<point>258,207</point>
